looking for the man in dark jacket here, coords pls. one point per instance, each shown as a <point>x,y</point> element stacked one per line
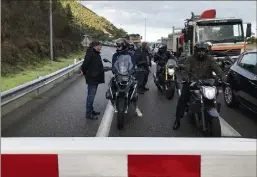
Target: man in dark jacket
<point>161,58</point>
<point>200,64</point>
<point>93,71</point>
<point>143,62</point>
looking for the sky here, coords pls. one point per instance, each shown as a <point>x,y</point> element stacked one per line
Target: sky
<point>162,15</point>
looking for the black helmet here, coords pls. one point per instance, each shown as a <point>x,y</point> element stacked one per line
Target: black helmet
<point>201,49</point>
<point>131,46</point>
<point>121,44</point>
<point>162,48</point>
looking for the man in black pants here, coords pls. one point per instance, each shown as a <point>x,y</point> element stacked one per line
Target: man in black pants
<point>201,64</point>
<point>143,62</point>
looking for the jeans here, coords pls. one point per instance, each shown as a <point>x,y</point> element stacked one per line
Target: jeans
<point>182,102</point>
<point>91,92</point>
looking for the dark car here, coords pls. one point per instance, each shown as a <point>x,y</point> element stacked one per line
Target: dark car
<point>242,79</point>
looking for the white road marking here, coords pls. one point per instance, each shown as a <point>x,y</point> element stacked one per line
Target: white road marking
<point>227,130</point>
<point>105,125</point>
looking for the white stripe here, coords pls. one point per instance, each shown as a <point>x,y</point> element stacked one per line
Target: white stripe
<point>227,130</point>
<point>105,126</point>
<point>228,166</point>
<point>88,165</point>
<point>122,145</point>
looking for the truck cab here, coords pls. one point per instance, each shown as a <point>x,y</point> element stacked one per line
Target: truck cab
<point>225,34</point>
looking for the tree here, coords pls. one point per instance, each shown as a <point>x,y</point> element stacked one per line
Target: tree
<point>69,13</point>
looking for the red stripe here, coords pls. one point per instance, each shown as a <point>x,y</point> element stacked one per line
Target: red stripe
<point>29,165</point>
<point>164,165</point>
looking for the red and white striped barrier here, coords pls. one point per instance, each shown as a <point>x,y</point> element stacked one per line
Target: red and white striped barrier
<point>128,157</point>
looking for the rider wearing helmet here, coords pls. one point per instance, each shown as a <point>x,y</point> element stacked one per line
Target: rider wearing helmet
<point>200,64</point>
<point>122,50</point>
<point>143,62</point>
<point>161,58</point>
<point>131,49</point>
<point>122,47</point>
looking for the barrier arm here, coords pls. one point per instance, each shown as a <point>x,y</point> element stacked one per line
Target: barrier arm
<point>128,157</point>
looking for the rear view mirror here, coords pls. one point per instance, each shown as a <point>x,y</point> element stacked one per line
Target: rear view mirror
<point>106,60</point>
<point>249,30</point>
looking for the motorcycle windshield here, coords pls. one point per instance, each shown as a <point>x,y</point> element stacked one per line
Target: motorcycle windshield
<point>123,64</point>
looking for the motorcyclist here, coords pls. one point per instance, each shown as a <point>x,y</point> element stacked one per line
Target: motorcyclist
<point>122,49</point>
<point>161,58</point>
<point>200,64</point>
<point>143,62</point>
<point>131,49</point>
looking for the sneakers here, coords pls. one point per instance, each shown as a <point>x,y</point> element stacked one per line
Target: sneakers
<point>93,116</point>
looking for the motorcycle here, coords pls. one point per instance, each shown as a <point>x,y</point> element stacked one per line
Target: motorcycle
<point>202,106</point>
<point>167,81</point>
<point>122,88</point>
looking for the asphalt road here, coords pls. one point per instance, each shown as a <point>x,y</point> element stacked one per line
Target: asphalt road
<point>63,115</point>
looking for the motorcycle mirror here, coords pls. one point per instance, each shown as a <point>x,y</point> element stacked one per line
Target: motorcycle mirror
<point>106,60</point>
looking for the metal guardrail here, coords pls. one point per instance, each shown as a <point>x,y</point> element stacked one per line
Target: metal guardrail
<point>24,89</point>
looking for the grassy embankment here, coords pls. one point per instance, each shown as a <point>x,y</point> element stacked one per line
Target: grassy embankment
<point>40,69</point>
<point>25,37</point>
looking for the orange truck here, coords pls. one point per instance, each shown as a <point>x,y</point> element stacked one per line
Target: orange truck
<point>225,34</point>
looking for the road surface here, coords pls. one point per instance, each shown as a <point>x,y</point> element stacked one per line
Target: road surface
<point>63,115</point>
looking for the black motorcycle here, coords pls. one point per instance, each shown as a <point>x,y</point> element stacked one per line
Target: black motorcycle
<point>166,81</point>
<point>122,88</point>
<point>203,107</point>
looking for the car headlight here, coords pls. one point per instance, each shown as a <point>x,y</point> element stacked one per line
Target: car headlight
<point>209,92</point>
<point>171,71</point>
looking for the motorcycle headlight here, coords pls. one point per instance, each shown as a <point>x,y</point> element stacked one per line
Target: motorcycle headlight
<point>171,71</point>
<point>209,92</point>
<point>123,80</point>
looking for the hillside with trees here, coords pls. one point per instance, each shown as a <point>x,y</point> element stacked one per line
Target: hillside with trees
<point>25,31</point>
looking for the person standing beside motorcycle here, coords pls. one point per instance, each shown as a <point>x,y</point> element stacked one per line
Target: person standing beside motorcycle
<point>200,64</point>
<point>161,58</point>
<point>143,62</point>
<point>93,70</point>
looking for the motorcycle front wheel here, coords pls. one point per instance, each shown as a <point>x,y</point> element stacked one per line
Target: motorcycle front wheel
<point>213,128</point>
<point>170,91</point>
<point>120,115</point>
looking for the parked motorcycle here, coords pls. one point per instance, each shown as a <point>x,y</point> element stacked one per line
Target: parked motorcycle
<point>167,80</point>
<point>202,106</point>
<point>122,88</point>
